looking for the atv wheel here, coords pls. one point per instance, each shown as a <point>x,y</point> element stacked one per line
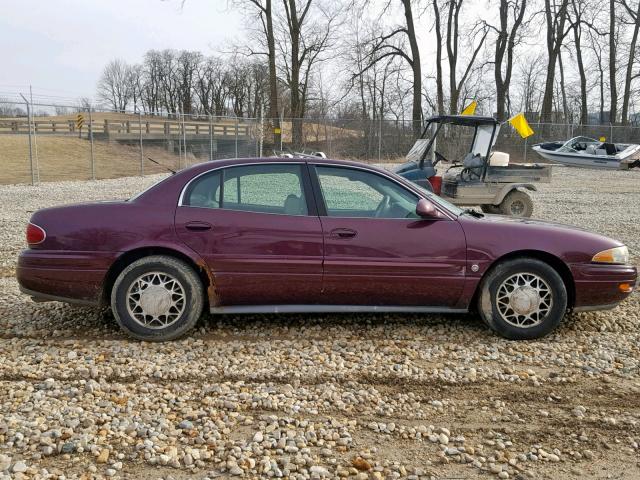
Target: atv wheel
<point>516,204</point>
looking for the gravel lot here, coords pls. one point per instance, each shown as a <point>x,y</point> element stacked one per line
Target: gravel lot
<point>361,396</point>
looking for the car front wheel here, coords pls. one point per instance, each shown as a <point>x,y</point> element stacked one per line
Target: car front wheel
<point>157,298</point>
<point>522,299</point>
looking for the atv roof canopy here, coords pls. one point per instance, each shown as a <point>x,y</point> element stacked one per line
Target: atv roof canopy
<point>484,135</point>
<point>466,120</point>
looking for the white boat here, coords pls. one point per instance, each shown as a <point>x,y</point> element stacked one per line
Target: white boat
<point>587,152</point>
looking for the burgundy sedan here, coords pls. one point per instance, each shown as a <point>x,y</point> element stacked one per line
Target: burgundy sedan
<point>313,235</point>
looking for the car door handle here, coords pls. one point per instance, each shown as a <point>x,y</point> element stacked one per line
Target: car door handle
<point>198,226</point>
<point>343,233</point>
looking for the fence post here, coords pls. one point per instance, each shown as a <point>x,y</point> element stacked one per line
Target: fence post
<point>260,139</point>
<point>93,158</point>
<point>33,175</point>
<point>236,137</point>
<point>141,150</point>
<point>380,140</point>
<point>210,138</point>
<point>184,137</point>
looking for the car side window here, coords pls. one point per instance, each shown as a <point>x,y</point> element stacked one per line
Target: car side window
<point>265,188</point>
<point>350,192</point>
<point>204,191</point>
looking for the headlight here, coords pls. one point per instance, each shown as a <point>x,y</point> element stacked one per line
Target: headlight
<point>613,255</point>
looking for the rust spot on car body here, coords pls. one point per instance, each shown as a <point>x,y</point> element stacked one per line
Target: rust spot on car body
<point>214,300</point>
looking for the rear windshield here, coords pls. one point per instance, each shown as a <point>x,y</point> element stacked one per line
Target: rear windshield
<point>153,185</point>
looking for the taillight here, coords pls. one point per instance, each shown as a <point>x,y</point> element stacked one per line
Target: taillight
<point>35,234</point>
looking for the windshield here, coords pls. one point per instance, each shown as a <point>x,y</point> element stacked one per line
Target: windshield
<point>416,152</point>
<point>440,201</point>
<point>578,143</point>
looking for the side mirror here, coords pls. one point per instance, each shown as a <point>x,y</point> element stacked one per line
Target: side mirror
<point>425,209</point>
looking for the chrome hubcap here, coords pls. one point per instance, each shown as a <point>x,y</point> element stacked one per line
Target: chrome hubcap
<point>524,300</point>
<point>156,300</point>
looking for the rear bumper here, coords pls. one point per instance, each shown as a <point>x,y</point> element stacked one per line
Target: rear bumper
<point>72,277</point>
<point>598,286</point>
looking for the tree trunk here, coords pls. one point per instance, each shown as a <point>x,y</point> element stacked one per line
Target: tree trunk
<point>613,112</point>
<point>555,30</point>
<point>439,88</point>
<point>501,44</point>
<point>452,54</point>
<point>273,78</point>
<point>563,91</point>
<point>417,70</point>
<point>584,106</point>
<point>296,101</point>
<point>629,72</point>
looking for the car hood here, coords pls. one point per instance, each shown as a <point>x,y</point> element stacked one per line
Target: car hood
<point>405,167</point>
<point>497,235</point>
<point>505,219</point>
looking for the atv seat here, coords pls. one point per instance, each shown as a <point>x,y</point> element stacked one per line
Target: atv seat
<point>471,168</point>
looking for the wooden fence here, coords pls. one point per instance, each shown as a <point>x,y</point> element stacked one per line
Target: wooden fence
<point>117,128</point>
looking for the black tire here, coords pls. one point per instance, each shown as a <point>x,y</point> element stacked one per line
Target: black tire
<point>517,204</point>
<point>491,209</point>
<point>501,273</point>
<point>190,300</point>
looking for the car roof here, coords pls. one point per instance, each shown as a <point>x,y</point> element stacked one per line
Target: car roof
<point>466,120</point>
<point>228,162</point>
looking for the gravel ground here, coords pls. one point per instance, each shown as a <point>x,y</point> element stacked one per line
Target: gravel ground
<point>310,396</point>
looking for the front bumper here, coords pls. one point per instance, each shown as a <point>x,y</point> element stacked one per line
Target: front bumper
<point>72,277</point>
<point>597,286</point>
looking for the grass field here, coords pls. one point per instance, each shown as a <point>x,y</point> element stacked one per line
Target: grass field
<point>69,158</point>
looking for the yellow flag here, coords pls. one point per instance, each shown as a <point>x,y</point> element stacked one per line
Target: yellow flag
<point>470,109</point>
<point>521,125</point>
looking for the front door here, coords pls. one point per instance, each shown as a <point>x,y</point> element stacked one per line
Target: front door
<point>377,250</point>
<point>256,228</point>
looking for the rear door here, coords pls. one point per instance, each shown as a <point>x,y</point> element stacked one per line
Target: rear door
<point>377,250</point>
<point>257,228</point>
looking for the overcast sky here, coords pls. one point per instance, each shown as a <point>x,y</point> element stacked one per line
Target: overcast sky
<point>61,46</point>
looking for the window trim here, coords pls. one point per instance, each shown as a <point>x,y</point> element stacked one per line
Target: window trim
<point>305,186</point>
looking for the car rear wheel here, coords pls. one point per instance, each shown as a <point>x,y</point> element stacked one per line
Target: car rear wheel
<point>516,204</point>
<point>157,298</point>
<point>522,299</point>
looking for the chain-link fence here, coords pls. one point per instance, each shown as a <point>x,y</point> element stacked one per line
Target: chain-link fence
<point>52,142</point>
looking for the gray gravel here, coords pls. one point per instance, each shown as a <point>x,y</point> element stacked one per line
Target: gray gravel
<point>311,396</point>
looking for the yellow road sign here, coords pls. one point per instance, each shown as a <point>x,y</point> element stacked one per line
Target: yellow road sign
<point>79,121</point>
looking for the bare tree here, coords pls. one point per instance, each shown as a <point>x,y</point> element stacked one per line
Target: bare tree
<point>530,74</point>
<point>394,44</point>
<point>439,77</point>
<point>613,84</point>
<point>114,86</point>
<point>453,41</point>
<point>634,15</point>
<point>507,37</point>
<point>576,20</point>
<point>597,49</point>
<point>556,18</point>
<point>266,15</point>
<point>304,41</point>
